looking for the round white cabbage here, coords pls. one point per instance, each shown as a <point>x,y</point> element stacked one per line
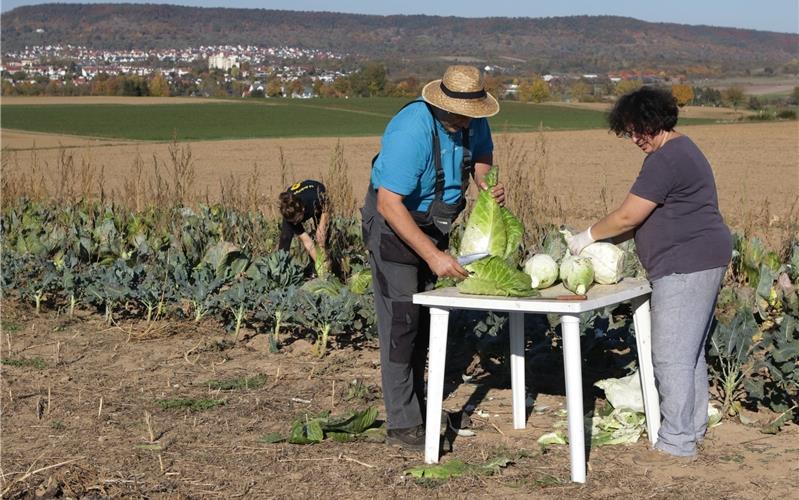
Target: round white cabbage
<point>608,262</point>
<point>576,273</point>
<point>543,270</point>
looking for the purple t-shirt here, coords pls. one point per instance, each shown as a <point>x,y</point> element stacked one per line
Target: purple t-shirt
<point>685,233</point>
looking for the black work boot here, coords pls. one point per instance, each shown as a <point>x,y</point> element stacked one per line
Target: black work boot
<point>411,438</point>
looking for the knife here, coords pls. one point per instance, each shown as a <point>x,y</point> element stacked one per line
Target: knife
<point>472,257</point>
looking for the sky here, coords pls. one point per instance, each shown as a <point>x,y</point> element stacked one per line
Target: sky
<point>766,15</point>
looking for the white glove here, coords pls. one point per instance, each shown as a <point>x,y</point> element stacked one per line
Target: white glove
<point>579,241</point>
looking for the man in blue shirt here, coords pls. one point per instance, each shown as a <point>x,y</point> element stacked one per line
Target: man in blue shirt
<point>428,152</point>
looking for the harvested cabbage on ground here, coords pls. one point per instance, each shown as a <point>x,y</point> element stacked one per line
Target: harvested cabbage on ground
<point>494,229</point>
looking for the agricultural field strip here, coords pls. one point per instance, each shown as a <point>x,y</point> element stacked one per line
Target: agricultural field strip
<point>219,121</point>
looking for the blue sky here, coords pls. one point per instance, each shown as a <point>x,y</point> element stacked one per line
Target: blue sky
<point>767,15</point>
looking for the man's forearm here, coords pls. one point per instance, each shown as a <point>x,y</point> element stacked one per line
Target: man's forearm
<point>481,168</point>
<point>403,224</point>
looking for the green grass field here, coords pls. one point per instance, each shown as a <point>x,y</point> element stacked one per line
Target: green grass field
<point>264,118</point>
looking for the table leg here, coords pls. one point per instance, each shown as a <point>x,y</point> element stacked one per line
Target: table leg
<point>437,355</point>
<point>643,340</point>
<point>517,369</point>
<point>572,365</point>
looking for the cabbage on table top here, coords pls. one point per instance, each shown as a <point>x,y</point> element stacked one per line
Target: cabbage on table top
<point>493,276</point>
<point>494,229</point>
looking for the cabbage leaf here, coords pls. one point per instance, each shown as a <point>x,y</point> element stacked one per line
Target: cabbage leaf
<point>494,276</point>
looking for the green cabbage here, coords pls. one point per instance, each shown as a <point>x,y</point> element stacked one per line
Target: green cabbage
<point>543,270</point>
<point>514,234</point>
<point>485,229</point>
<point>494,276</point>
<point>492,228</point>
<point>576,273</point>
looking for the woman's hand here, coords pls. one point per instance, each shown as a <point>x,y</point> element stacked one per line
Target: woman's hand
<point>579,241</point>
<point>446,266</point>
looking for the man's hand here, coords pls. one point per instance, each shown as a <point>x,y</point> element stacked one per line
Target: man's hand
<point>579,241</point>
<point>498,192</point>
<point>446,266</point>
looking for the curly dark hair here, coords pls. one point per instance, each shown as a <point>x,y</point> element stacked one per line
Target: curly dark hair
<point>646,111</point>
<point>291,208</point>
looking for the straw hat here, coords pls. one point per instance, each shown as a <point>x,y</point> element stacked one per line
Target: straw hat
<point>461,91</point>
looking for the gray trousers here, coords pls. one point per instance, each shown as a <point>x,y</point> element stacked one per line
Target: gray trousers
<point>403,328</point>
<point>682,307</point>
<point>404,334</point>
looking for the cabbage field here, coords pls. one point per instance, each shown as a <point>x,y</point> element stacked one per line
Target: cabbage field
<point>209,267</point>
<point>154,342</point>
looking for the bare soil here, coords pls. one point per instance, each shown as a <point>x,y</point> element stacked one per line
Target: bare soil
<point>78,426</point>
<point>756,166</point>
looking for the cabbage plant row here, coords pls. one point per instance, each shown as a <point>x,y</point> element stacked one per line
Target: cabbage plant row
<point>210,263</point>
<point>193,265</point>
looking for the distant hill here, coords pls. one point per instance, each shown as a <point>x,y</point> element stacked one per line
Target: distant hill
<point>578,43</point>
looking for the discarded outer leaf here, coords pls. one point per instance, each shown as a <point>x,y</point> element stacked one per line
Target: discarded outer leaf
<point>373,435</point>
<point>273,437</point>
<point>306,432</point>
<point>353,422</point>
<point>457,468</point>
<point>453,468</point>
<point>341,437</point>
<point>552,438</point>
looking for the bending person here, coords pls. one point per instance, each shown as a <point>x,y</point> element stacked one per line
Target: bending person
<point>299,203</point>
<point>684,246</point>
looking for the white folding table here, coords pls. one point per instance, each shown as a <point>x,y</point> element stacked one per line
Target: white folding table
<point>443,300</point>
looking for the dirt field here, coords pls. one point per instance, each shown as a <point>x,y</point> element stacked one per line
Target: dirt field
<point>78,426</point>
<point>756,165</point>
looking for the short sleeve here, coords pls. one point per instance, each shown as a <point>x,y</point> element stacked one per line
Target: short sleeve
<point>480,141</point>
<point>655,180</point>
<point>403,157</point>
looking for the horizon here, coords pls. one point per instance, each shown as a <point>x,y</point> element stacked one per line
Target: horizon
<point>778,16</point>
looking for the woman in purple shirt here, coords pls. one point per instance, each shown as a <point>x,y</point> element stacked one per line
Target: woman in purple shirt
<point>684,246</point>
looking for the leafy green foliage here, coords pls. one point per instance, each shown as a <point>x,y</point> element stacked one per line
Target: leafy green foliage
<point>310,429</point>
<point>493,276</point>
<point>457,468</point>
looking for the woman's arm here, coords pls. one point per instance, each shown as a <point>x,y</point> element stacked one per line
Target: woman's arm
<point>633,211</point>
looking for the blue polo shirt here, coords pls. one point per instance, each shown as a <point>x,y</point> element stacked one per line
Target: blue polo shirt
<point>405,164</point>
